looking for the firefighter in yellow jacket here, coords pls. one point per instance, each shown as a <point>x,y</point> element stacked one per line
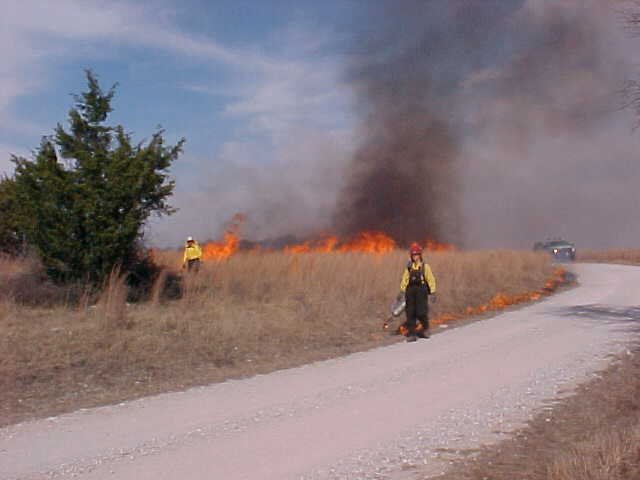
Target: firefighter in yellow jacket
<point>192,255</point>
<point>416,285</point>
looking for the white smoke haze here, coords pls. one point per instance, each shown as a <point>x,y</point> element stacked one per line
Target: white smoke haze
<point>550,154</point>
<point>488,124</point>
<point>295,194</point>
<point>292,195</point>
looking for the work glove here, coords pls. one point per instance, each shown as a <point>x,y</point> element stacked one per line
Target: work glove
<point>433,297</point>
<point>400,297</point>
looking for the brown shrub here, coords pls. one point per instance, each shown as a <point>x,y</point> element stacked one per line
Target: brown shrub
<point>23,280</point>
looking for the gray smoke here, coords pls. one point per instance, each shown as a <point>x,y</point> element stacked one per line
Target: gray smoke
<point>493,124</point>
<point>548,152</point>
<point>291,196</point>
<point>405,176</point>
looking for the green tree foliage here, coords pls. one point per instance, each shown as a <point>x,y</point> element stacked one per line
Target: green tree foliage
<point>85,197</point>
<point>10,239</point>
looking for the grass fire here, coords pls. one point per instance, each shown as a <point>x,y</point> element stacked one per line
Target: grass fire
<point>373,242</point>
<point>246,312</point>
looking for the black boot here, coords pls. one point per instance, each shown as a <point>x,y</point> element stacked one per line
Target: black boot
<point>424,334</point>
<point>423,327</point>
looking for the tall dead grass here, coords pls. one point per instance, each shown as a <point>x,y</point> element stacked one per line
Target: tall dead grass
<point>627,256</point>
<point>24,281</point>
<point>111,307</point>
<point>252,313</point>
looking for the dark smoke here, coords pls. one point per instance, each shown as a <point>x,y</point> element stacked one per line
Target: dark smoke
<point>404,177</point>
<point>492,123</point>
<point>401,180</point>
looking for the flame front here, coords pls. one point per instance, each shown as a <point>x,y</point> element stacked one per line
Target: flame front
<point>369,242</point>
<point>373,242</point>
<point>498,302</point>
<point>431,245</point>
<point>230,243</point>
<point>502,300</point>
<point>324,245</point>
<point>364,242</point>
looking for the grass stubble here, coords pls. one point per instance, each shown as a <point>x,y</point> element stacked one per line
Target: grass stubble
<point>253,313</point>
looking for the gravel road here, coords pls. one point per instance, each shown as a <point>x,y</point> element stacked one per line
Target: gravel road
<point>384,414</point>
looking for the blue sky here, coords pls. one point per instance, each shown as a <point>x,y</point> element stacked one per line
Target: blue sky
<point>236,78</point>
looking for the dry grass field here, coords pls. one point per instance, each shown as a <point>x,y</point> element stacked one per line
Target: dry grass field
<point>624,256</point>
<point>253,313</point>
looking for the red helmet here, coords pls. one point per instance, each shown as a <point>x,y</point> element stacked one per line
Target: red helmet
<point>415,248</point>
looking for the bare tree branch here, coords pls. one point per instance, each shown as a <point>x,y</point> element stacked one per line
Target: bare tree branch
<point>631,17</point>
<point>631,92</point>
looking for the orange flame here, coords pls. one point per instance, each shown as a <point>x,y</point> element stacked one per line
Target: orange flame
<point>431,245</point>
<point>502,300</point>
<point>230,243</point>
<point>373,242</point>
<point>364,242</point>
<point>325,245</point>
<point>369,242</point>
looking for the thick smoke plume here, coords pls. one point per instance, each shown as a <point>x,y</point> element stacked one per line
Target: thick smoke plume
<point>483,123</point>
<point>493,123</point>
<point>401,176</point>
<point>404,178</point>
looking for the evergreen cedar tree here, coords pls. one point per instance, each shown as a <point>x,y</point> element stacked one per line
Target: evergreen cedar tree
<point>11,241</point>
<point>83,201</point>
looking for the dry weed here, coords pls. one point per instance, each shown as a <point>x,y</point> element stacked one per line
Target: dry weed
<point>593,435</point>
<point>111,308</point>
<point>608,455</point>
<point>158,287</point>
<point>253,313</point>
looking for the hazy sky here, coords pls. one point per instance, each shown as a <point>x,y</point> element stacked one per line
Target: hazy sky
<point>240,79</point>
<point>265,95</point>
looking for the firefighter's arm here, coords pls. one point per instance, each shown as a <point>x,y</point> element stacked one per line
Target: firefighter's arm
<point>430,279</point>
<point>199,251</point>
<point>405,281</point>
<point>184,257</point>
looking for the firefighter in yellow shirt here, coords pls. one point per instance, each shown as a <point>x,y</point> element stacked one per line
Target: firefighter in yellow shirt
<point>192,255</point>
<point>416,285</point>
